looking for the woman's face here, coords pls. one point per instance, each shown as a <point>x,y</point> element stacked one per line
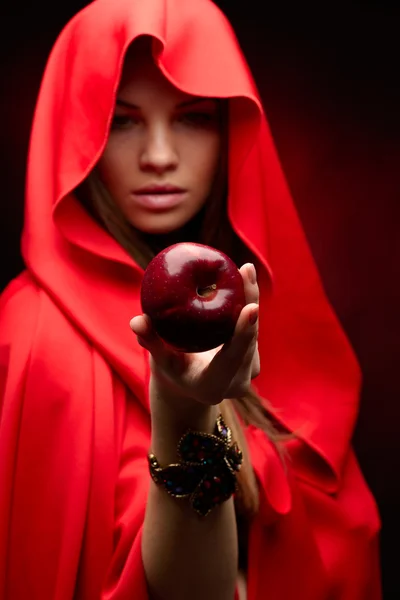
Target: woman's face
<point>163,150</point>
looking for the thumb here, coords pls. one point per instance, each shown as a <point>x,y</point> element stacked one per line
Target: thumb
<point>164,357</point>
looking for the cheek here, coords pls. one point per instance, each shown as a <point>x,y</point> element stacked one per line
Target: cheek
<point>205,157</point>
<point>113,164</point>
<point>106,169</point>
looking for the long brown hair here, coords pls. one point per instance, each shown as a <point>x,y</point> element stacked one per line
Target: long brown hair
<point>210,226</point>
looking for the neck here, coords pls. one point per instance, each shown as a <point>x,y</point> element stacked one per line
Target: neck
<point>190,232</point>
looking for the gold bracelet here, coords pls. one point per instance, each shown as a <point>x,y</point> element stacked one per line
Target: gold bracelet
<point>206,471</point>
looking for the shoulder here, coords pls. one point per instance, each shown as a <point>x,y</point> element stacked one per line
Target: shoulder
<point>39,345</point>
<point>18,306</point>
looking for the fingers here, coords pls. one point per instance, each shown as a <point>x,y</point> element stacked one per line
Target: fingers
<point>229,372</point>
<point>139,325</point>
<point>249,276</point>
<point>147,337</point>
<point>247,324</point>
<point>240,351</point>
<point>163,358</point>
<point>255,365</point>
<point>238,361</point>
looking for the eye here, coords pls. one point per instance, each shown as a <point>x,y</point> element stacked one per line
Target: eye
<point>199,118</point>
<point>123,121</point>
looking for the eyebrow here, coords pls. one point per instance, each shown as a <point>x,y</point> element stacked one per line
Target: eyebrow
<point>126,104</point>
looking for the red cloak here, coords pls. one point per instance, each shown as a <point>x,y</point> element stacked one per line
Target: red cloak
<point>75,424</point>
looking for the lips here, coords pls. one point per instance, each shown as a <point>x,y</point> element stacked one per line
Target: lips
<point>159,189</point>
<point>159,197</point>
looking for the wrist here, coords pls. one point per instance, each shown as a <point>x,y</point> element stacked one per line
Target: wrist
<point>172,415</point>
<point>203,467</point>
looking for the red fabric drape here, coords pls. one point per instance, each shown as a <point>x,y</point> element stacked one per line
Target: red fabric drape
<point>75,423</point>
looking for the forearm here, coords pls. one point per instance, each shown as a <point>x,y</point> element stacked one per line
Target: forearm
<point>184,555</point>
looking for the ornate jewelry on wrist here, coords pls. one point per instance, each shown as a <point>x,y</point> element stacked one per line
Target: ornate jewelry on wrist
<point>206,471</point>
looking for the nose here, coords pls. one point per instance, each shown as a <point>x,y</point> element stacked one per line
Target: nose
<point>159,152</point>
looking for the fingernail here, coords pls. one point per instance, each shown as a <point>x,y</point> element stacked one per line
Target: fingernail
<point>132,323</point>
<point>253,316</point>
<point>252,273</point>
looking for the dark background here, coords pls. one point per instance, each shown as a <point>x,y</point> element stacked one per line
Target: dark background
<point>329,79</point>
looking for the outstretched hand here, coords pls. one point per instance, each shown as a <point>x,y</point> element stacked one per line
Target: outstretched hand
<point>208,377</point>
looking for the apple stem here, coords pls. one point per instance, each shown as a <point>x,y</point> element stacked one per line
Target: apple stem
<point>206,291</point>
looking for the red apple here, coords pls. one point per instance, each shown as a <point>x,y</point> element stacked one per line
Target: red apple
<point>193,295</point>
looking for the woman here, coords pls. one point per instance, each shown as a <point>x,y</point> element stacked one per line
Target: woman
<point>139,99</point>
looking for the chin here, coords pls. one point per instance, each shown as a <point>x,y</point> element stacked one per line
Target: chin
<point>160,225</point>
<point>161,230</point>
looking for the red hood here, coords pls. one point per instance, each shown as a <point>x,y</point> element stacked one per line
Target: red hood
<point>309,373</point>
